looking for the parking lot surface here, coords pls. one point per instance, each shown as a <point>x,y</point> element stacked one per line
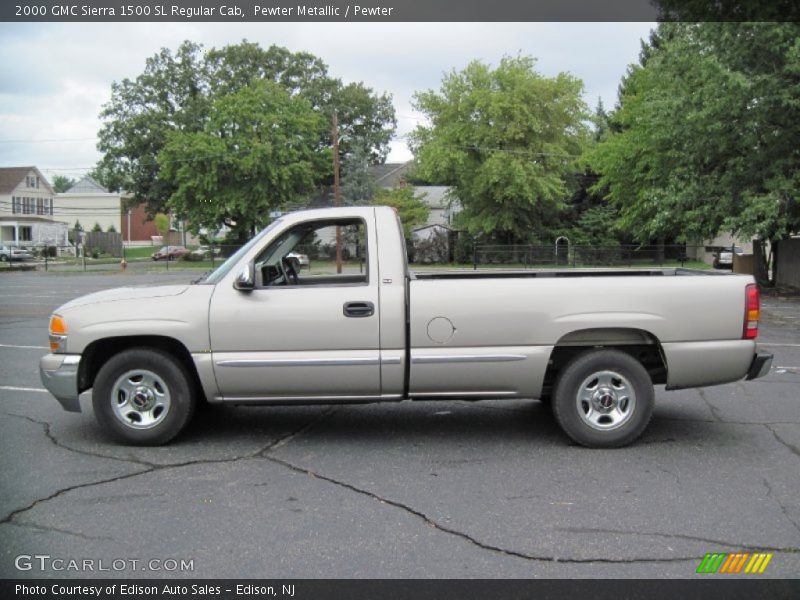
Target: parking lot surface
<point>413,489</point>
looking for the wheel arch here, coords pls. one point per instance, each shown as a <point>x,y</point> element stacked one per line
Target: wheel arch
<point>642,345</point>
<point>100,351</point>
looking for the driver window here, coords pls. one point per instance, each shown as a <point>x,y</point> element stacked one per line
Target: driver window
<point>306,255</point>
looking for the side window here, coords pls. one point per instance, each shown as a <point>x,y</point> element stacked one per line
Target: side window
<point>306,255</point>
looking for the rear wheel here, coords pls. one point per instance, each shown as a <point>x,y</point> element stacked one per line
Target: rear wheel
<point>143,396</point>
<point>603,399</point>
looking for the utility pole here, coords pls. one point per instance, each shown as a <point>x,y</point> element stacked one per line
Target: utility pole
<point>337,197</point>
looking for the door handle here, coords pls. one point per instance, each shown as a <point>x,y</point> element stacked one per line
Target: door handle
<point>358,309</point>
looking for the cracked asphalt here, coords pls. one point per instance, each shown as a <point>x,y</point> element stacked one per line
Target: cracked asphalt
<point>408,490</point>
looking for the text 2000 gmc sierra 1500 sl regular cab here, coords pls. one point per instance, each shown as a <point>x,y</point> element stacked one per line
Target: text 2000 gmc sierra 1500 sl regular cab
<point>257,331</point>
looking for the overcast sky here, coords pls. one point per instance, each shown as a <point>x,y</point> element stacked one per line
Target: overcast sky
<point>54,77</point>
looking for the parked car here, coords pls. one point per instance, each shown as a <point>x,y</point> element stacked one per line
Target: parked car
<point>8,253</point>
<point>204,252</point>
<point>169,253</point>
<point>300,260</point>
<point>723,258</point>
<point>592,342</point>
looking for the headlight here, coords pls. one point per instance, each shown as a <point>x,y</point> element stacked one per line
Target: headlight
<point>58,334</point>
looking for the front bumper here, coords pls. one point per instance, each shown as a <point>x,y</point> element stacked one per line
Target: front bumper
<point>762,362</point>
<point>59,374</point>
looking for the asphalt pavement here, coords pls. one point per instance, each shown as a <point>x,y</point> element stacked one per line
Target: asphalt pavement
<point>488,489</point>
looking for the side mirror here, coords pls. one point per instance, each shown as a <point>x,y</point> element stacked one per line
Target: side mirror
<point>246,279</point>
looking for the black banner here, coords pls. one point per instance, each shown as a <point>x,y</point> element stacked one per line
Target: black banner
<point>241,11</point>
<point>429,589</point>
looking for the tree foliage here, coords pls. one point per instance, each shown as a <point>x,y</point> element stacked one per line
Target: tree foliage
<point>411,209</point>
<point>358,184</point>
<point>61,183</point>
<point>257,151</point>
<point>504,139</point>
<point>178,93</point>
<point>161,222</point>
<point>704,139</point>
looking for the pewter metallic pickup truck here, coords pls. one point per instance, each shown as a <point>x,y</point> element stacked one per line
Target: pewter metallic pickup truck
<point>258,330</point>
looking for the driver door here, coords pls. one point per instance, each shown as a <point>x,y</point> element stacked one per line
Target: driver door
<point>316,338</point>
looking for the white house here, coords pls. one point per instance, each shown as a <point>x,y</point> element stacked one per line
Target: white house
<point>442,210</point>
<point>91,204</point>
<point>26,209</point>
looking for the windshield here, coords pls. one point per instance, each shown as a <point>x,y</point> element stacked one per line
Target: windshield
<point>223,269</point>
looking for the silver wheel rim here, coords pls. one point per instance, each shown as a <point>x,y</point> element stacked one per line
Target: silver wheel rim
<point>140,399</point>
<point>606,400</point>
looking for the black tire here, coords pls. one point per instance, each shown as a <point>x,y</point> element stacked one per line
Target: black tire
<point>603,399</point>
<point>151,379</point>
<point>3,258</point>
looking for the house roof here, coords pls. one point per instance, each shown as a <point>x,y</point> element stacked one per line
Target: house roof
<point>433,226</point>
<point>87,185</point>
<point>434,196</point>
<point>390,174</point>
<point>10,177</point>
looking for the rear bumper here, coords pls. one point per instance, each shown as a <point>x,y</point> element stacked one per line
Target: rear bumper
<point>762,362</point>
<point>59,374</point>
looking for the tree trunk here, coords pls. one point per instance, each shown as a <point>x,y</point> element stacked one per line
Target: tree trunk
<point>774,247</point>
<point>660,250</point>
<point>761,262</point>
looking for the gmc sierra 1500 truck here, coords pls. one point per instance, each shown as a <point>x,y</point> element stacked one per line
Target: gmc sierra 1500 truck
<point>256,330</point>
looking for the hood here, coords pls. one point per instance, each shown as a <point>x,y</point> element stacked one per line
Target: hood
<point>125,293</point>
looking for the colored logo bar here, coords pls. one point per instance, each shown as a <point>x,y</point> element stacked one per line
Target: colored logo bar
<point>736,563</point>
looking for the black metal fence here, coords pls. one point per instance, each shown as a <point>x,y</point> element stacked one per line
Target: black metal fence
<point>565,255</point>
<point>85,258</point>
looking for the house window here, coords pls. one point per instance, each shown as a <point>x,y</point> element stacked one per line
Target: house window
<point>50,203</point>
<point>40,206</point>
<point>25,234</point>
<point>37,182</point>
<point>15,205</point>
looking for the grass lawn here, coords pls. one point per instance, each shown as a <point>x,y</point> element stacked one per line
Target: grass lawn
<point>135,252</point>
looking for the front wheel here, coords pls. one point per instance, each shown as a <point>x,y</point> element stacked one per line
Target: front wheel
<point>143,396</point>
<point>603,399</point>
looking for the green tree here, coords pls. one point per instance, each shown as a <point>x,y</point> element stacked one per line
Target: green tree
<point>177,92</point>
<point>704,139</point>
<point>170,95</point>
<point>358,185</point>
<point>256,152</point>
<point>97,227</point>
<point>161,222</point>
<point>61,183</point>
<point>411,209</point>
<point>505,140</point>
<point>596,226</point>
